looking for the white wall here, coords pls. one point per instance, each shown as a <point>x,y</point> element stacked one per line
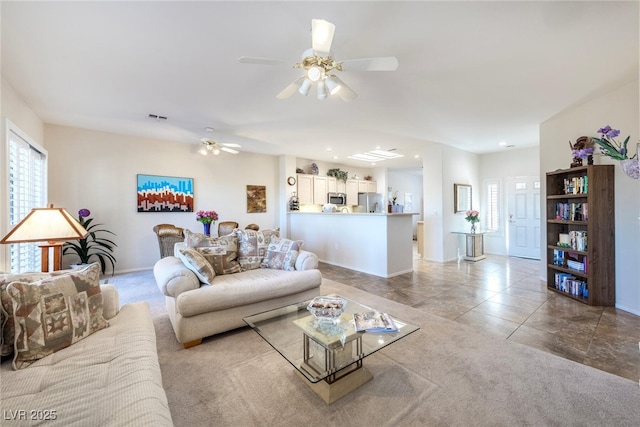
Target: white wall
<point>408,182</point>
<point>619,109</point>
<point>501,166</point>
<point>459,167</point>
<point>102,178</point>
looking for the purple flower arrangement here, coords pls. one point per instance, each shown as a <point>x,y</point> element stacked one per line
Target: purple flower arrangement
<point>609,146</point>
<point>206,217</point>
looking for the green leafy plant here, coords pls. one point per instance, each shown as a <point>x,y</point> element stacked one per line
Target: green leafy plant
<point>338,174</point>
<point>92,246</point>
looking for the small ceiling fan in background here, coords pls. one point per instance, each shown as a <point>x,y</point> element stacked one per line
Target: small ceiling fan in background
<point>320,66</point>
<point>210,146</point>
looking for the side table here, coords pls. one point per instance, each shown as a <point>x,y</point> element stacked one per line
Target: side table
<point>474,245</point>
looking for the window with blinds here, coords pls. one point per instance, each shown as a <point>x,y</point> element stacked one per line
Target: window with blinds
<point>27,165</point>
<point>493,205</point>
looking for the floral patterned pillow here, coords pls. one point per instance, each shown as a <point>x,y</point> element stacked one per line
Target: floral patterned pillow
<point>282,254</point>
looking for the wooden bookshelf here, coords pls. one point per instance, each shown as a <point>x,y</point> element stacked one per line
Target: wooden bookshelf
<point>587,215</point>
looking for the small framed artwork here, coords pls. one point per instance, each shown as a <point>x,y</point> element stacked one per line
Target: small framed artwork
<point>461,197</point>
<point>256,198</point>
<point>158,193</point>
<point>408,202</point>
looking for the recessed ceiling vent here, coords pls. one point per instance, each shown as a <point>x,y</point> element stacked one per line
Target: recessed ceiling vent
<point>157,117</point>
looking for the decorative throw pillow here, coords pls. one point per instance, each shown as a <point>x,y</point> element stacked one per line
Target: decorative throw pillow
<point>282,254</point>
<point>6,305</point>
<point>54,313</point>
<point>222,253</point>
<point>252,247</point>
<point>194,240</point>
<point>197,263</point>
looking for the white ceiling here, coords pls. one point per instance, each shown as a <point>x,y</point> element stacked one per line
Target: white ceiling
<point>471,74</point>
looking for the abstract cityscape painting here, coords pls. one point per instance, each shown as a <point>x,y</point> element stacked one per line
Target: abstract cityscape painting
<point>164,194</point>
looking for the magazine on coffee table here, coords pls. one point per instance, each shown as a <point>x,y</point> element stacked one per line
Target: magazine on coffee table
<point>374,321</point>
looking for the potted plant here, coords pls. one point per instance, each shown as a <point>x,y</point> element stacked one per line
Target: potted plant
<point>338,174</point>
<point>92,246</point>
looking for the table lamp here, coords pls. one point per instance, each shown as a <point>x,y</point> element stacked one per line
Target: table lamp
<point>53,225</point>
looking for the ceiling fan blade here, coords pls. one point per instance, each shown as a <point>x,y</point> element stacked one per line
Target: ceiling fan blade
<point>387,63</point>
<point>345,93</point>
<point>262,61</point>
<point>291,89</point>
<point>321,35</point>
<point>231,144</point>
<point>229,150</point>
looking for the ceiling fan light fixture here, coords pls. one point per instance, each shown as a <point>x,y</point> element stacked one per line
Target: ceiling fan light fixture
<point>304,87</point>
<point>314,73</point>
<point>333,84</point>
<point>322,90</point>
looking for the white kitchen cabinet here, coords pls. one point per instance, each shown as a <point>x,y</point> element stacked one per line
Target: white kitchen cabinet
<point>351,189</point>
<point>320,190</point>
<point>305,189</point>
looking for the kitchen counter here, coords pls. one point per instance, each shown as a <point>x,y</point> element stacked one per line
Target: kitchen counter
<point>376,243</point>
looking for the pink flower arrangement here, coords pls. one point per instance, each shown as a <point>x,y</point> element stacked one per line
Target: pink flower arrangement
<point>206,217</point>
<point>472,216</point>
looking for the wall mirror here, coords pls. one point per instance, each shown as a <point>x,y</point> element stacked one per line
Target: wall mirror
<point>461,198</point>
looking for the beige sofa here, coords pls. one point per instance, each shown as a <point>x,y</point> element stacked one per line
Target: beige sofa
<point>198,310</point>
<point>110,378</point>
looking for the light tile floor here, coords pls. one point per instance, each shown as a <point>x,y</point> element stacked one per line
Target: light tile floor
<point>505,296</point>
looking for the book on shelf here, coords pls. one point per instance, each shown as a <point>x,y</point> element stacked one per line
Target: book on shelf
<point>578,240</point>
<point>568,283</point>
<point>572,211</point>
<point>374,321</point>
<point>558,257</point>
<point>576,185</point>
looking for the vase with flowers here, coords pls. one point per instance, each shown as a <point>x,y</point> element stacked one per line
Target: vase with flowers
<point>618,151</point>
<point>207,218</point>
<point>473,217</point>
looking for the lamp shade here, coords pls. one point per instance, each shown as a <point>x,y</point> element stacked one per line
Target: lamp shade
<point>46,224</point>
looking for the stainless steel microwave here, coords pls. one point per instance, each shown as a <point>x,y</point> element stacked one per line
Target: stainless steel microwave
<point>337,198</point>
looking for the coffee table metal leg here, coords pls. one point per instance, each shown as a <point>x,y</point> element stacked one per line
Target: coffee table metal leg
<point>332,391</point>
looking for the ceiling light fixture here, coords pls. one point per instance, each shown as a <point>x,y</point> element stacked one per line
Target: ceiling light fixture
<point>209,146</point>
<point>375,156</point>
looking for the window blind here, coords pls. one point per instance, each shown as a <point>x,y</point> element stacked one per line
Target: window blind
<point>27,190</point>
<point>493,203</point>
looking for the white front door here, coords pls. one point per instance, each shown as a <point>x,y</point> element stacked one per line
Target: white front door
<point>524,217</point>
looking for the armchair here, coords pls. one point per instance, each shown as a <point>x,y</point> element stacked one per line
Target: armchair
<point>226,227</point>
<point>168,236</point>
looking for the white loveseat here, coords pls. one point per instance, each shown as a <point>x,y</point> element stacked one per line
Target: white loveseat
<point>199,310</point>
<point>110,378</point>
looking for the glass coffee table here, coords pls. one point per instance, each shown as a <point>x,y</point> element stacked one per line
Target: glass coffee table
<point>328,356</point>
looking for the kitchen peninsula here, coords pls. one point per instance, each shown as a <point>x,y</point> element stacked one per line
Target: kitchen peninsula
<point>376,243</point>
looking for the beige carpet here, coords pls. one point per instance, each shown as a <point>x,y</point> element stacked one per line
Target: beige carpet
<point>445,374</point>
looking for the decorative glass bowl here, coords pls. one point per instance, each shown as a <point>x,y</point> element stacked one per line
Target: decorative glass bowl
<point>631,167</point>
<point>327,309</point>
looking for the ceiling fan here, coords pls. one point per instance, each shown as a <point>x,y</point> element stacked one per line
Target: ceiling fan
<point>210,146</point>
<point>320,66</point>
